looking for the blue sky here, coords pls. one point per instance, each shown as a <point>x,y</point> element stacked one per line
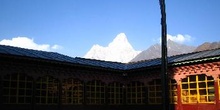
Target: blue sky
<point>72,27</point>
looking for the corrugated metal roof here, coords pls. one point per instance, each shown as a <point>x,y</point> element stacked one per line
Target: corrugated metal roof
<point>175,60</point>
<point>57,57</point>
<point>178,59</point>
<point>146,63</point>
<point>105,64</point>
<point>195,55</point>
<point>35,54</point>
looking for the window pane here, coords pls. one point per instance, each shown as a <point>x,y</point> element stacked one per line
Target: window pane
<point>97,93</point>
<point>200,88</point>
<point>47,90</point>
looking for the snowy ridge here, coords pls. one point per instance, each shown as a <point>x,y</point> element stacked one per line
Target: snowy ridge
<point>119,50</point>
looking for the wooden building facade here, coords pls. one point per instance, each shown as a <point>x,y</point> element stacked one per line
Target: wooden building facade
<point>33,80</point>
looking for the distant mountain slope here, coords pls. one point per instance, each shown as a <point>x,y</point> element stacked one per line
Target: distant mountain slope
<point>119,50</point>
<point>154,51</point>
<point>208,46</point>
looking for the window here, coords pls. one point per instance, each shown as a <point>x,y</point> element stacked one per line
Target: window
<point>155,91</point>
<point>72,91</point>
<point>17,89</point>
<point>115,93</point>
<point>95,91</point>
<point>135,93</point>
<point>198,89</point>
<point>47,90</point>
<point>173,91</point>
<point>219,86</point>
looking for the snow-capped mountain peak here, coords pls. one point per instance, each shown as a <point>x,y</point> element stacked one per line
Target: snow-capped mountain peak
<point>119,50</point>
<point>120,42</point>
<point>120,38</point>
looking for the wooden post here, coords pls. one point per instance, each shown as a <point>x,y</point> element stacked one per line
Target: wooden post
<point>60,94</point>
<point>179,99</point>
<point>216,85</point>
<point>164,74</point>
<point>106,95</point>
<point>33,95</point>
<point>84,93</point>
<point>215,75</point>
<point>1,90</point>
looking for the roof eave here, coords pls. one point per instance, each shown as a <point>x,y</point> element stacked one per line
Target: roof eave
<point>192,61</point>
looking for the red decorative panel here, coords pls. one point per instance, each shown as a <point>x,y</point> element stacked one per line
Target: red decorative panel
<point>199,107</point>
<point>210,69</point>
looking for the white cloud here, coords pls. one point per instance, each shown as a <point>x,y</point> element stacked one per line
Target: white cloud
<point>28,43</point>
<point>179,38</point>
<point>55,47</point>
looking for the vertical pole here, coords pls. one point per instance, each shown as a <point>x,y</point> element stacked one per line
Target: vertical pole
<point>60,94</point>
<point>33,103</point>
<point>124,94</point>
<point>216,85</point>
<point>84,93</point>
<point>106,94</point>
<point>164,74</point>
<point>179,99</point>
<point>1,91</point>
